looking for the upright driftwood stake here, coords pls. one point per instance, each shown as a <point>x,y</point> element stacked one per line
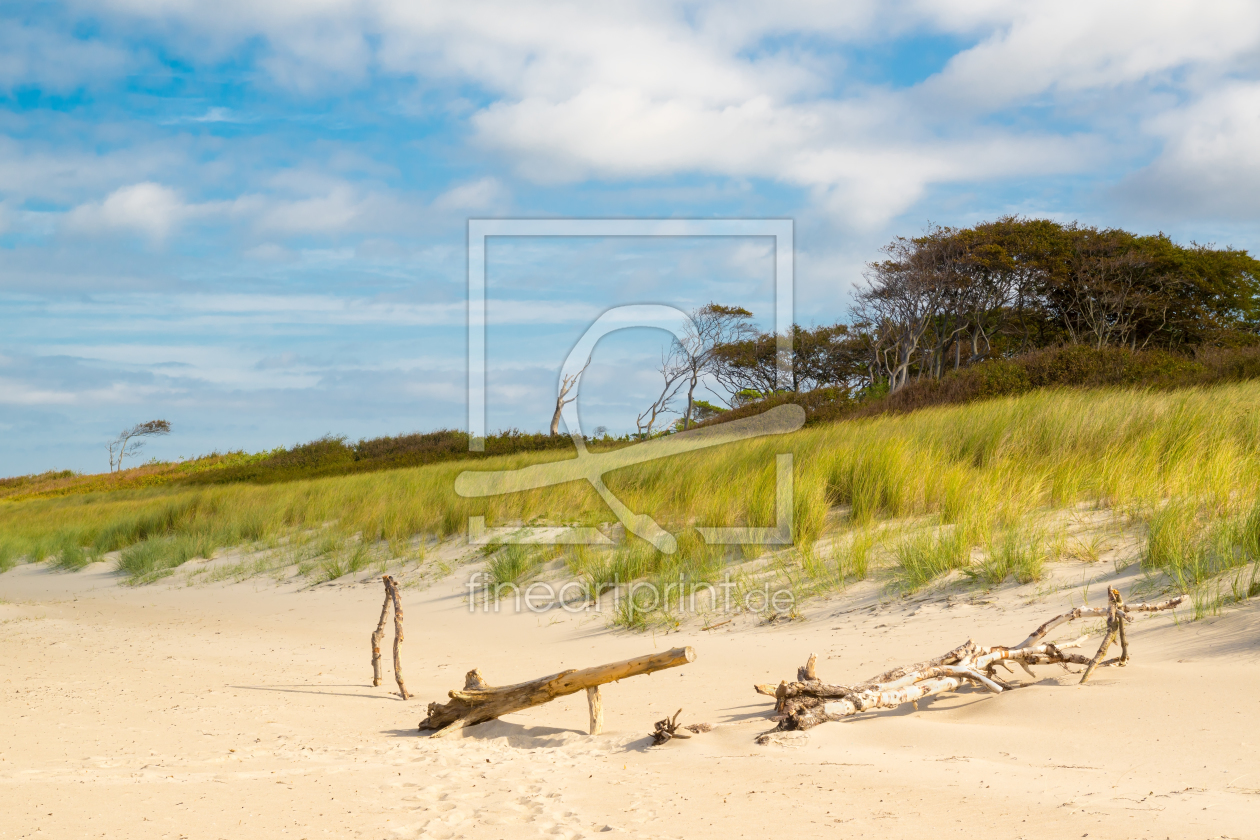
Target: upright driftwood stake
<point>378,634</point>
<point>596,703</point>
<point>392,586</point>
<point>1115,618</point>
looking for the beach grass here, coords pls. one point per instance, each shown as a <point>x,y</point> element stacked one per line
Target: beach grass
<point>1185,462</point>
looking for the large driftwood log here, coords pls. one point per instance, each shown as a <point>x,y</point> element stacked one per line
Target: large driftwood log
<point>478,701</point>
<point>808,701</point>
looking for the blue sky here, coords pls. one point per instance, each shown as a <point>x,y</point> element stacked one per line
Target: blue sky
<point>249,218</point>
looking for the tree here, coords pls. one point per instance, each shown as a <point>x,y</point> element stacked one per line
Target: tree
<point>905,297</point>
<point>130,441</point>
<point>567,383</point>
<point>663,404</point>
<point>698,353</point>
<point>821,357</point>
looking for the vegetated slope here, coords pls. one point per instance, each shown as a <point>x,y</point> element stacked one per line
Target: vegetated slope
<point>1072,366</point>
<point>1185,461</point>
<point>1063,367</point>
<point>322,457</point>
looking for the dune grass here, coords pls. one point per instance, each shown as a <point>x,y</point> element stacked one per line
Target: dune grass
<point>1184,461</point>
<point>514,564</point>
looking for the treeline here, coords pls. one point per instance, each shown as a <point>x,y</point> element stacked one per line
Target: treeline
<point>956,297</point>
<point>1072,366</point>
<point>335,456</point>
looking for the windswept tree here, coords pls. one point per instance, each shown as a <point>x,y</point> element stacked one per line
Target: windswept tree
<point>953,297</point>
<point>696,355</point>
<point>821,357</point>
<point>662,406</point>
<point>132,440</point>
<point>910,300</point>
<point>567,383</point>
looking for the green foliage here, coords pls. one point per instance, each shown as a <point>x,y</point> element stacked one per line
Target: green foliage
<point>330,456</point>
<point>69,554</point>
<point>1019,553</point>
<point>339,561</point>
<point>156,557</point>
<point>10,553</point>
<point>1192,544</point>
<point>514,564</point>
<point>925,557</point>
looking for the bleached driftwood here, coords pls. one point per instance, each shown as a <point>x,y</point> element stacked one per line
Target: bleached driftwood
<point>478,701</point>
<point>807,701</point>
<point>391,596</point>
<point>377,635</point>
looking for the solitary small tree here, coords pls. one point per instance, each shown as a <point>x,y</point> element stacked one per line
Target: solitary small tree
<point>130,441</point>
<point>567,384</point>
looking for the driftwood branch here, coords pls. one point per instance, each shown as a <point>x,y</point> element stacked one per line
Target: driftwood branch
<point>808,701</point>
<point>391,597</point>
<point>377,635</point>
<point>398,633</point>
<point>478,701</point>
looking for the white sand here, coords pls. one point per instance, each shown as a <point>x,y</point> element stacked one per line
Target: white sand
<point>246,711</point>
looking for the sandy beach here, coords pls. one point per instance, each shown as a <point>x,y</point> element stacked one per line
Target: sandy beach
<point>246,710</point>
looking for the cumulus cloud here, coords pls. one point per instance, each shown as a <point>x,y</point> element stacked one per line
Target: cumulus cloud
<point>1074,46</point>
<point>1210,163</point>
<point>648,90</point>
<point>147,208</point>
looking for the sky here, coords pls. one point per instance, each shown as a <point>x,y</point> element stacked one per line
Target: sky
<point>250,218</point>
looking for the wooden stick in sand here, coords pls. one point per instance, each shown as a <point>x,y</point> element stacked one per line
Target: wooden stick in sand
<point>377,635</point>
<point>398,634</point>
<point>478,701</point>
<point>391,597</point>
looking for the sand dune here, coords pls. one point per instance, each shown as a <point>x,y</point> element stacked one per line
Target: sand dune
<point>246,710</point>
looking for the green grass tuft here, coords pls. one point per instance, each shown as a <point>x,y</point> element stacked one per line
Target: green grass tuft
<point>925,557</point>
<point>514,564</point>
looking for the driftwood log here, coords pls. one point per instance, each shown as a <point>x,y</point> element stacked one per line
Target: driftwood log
<point>391,597</point>
<point>478,701</point>
<point>808,701</point>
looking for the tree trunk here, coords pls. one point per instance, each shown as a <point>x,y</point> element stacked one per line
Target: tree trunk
<point>555,418</point>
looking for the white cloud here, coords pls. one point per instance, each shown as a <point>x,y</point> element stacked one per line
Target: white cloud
<point>57,63</point>
<point>483,194</point>
<point>741,90</point>
<point>146,208</point>
<point>1210,165</point>
<point>1074,46</point>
